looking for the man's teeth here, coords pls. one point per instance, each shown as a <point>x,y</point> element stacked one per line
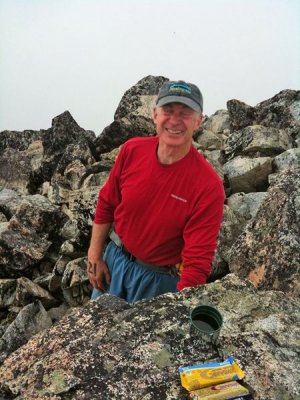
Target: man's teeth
<point>173,130</point>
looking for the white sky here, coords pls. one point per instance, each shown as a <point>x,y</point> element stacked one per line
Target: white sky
<point>82,55</point>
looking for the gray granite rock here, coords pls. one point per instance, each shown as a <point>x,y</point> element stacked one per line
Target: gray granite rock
<point>208,140</point>
<point>287,159</point>
<point>32,319</point>
<point>29,158</point>
<point>111,350</point>
<point>268,250</point>
<point>240,114</point>
<point>9,202</point>
<point>27,237</point>
<point>217,122</point>
<point>246,205</point>
<point>133,116</point>
<point>281,111</point>
<point>75,284</point>
<point>232,226</point>
<point>247,174</point>
<point>257,141</point>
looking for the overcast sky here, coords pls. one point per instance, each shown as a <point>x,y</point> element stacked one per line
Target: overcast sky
<point>82,55</point>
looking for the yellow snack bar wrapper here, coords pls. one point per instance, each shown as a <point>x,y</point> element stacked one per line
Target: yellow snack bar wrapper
<point>222,391</point>
<point>199,376</point>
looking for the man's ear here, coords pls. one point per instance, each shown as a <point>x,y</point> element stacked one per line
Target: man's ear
<point>199,121</point>
<point>154,114</point>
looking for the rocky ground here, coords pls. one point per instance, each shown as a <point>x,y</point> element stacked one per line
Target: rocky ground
<point>56,344</point>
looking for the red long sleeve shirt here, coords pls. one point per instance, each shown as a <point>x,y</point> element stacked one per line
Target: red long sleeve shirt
<point>164,214</point>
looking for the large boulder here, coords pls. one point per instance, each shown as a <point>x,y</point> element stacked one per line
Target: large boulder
<point>111,350</point>
<point>232,226</point>
<point>245,174</point>
<point>246,205</point>
<point>218,122</point>
<point>288,99</point>
<point>32,319</point>
<point>287,159</point>
<point>281,111</point>
<point>17,159</point>
<point>9,202</point>
<point>133,116</point>
<point>27,237</point>
<point>29,158</point>
<point>257,141</point>
<point>268,250</point>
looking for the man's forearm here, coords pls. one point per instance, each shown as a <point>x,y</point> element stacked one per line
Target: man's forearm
<point>98,238</point>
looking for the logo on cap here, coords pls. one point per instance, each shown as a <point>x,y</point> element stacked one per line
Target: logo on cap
<point>180,89</point>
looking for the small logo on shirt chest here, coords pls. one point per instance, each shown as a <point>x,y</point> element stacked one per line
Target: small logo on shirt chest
<point>178,198</point>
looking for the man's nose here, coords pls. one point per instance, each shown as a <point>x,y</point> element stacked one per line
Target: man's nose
<point>175,118</point>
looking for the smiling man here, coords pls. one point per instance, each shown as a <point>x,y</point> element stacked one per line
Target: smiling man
<point>165,204</point>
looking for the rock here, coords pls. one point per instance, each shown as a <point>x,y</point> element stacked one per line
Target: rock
<point>35,153</point>
<point>240,115</point>
<point>7,292</point>
<point>134,352</point>
<point>18,178</point>
<point>281,111</point>
<point>32,319</point>
<point>247,175</point>
<point>37,213</point>
<point>268,250</point>
<point>77,232</point>
<point>288,99</point>
<point>29,158</point>
<point>79,201</point>
<point>257,141</point>
<point>287,159</point>
<point>75,284</point>
<point>28,235</point>
<point>65,131</point>
<point>15,159</point>
<point>232,227</point>
<point>216,159</point>
<point>27,292</point>
<point>246,205</point>
<point>20,250</point>
<point>218,122</point>
<point>71,169</point>
<point>209,140</point>
<point>2,218</point>
<point>133,116</point>
<point>9,202</point>
<point>17,141</point>
<point>56,313</point>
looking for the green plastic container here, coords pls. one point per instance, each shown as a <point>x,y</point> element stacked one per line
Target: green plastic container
<point>207,322</point>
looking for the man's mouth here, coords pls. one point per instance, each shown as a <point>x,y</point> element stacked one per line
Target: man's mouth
<point>174,131</point>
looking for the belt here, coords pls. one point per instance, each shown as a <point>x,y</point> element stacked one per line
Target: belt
<point>163,269</point>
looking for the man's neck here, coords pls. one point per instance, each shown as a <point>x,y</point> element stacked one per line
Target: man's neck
<point>169,155</point>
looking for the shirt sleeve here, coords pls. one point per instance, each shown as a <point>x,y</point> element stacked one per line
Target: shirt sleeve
<point>200,237</point>
<point>110,194</point>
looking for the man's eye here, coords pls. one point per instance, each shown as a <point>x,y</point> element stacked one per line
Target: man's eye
<point>186,113</point>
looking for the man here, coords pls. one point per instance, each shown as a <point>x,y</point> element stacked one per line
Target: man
<point>165,202</point>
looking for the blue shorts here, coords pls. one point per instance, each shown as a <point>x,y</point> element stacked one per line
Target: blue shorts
<point>132,281</point>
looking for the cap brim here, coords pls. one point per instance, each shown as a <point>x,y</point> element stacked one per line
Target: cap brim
<point>179,99</point>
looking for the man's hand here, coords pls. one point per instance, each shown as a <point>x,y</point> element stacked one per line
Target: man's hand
<point>97,269</point>
<point>98,273</point>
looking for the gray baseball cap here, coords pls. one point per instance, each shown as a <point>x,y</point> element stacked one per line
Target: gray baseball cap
<point>180,92</point>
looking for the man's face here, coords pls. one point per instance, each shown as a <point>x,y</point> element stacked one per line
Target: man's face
<point>176,123</point>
